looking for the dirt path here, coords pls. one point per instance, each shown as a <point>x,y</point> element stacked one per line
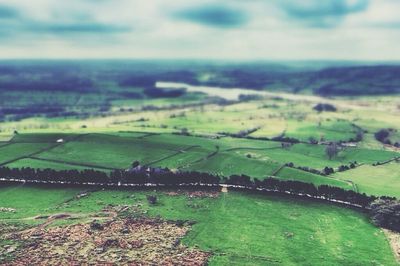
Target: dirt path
<point>394,240</point>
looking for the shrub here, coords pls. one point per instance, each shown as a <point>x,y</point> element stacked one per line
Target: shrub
<point>382,135</point>
<point>321,107</point>
<point>386,213</point>
<point>328,170</point>
<point>152,199</point>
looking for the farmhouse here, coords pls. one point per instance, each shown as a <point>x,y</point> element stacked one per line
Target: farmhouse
<point>349,144</point>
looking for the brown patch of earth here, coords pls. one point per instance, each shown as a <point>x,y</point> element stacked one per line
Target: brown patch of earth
<point>394,240</point>
<point>195,194</point>
<point>140,241</point>
<point>4,209</point>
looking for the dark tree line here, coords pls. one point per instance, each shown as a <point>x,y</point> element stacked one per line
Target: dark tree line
<point>324,107</point>
<point>165,177</point>
<point>54,82</point>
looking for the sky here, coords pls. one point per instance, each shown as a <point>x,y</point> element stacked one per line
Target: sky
<point>201,29</point>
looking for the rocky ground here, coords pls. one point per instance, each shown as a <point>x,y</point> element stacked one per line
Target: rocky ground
<point>120,239</point>
<point>195,193</point>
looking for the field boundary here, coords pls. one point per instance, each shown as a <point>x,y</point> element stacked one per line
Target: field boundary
<point>276,171</point>
<point>252,148</point>
<point>208,156</point>
<point>397,158</point>
<point>7,143</point>
<point>71,163</point>
<point>41,150</point>
<point>172,155</point>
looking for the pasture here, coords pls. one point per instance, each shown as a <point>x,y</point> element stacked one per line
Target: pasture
<point>223,156</point>
<point>375,180</point>
<point>273,230</point>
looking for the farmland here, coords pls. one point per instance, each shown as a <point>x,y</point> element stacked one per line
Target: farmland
<point>122,122</point>
<point>223,156</point>
<point>218,156</point>
<point>376,179</point>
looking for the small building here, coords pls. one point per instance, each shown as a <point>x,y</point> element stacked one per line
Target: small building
<point>349,144</point>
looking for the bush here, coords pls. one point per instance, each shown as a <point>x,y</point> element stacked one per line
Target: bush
<point>328,170</point>
<point>324,107</point>
<point>386,213</point>
<point>152,199</point>
<point>382,135</point>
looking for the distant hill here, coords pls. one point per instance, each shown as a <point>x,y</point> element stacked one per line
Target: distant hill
<point>96,76</point>
<point>368,80</point>
<point>335,81</point>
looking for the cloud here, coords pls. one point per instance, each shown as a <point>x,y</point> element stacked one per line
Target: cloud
<point>322,13</point>
<point>207,29</point>
<point>7,12</point>
<point>213,15</point>
<point>387,25</point>
<point>50,18</point>
<point>77,28</point>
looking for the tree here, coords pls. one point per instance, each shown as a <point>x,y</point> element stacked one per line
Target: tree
<point>312,140</point>
<point>184,131</point>
<point>332,150</point>
<point>328,170</point>
<point>383,136</point>
<point>152,199</point>
<point>285,145</point>
<point>135,164</point>
<point>386,213</point>
<point>324,107</point>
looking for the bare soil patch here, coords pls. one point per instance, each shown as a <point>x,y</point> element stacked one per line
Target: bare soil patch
<point>394,240</point>
<point>139,241</point>
<point>195,194</point>
<point>4,209</point>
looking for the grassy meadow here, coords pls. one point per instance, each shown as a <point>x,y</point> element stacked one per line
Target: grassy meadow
<point>223,156</point>
<point>205,138</point>
<point>273,230</point>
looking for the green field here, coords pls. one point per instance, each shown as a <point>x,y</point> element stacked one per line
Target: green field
<point>299,175</point>
<point>112,151</point>
<point>14,151</point>
<point>272,231</point>
<point>43,164</point>
<point>224,156</point>
<point>376,180</point>
<point>30,201</point>
<point>328,130</point>
<point>226,164</point>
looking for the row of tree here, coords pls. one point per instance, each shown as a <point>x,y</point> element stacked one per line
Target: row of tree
<point>384,211</point>
<point>170,178</point>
